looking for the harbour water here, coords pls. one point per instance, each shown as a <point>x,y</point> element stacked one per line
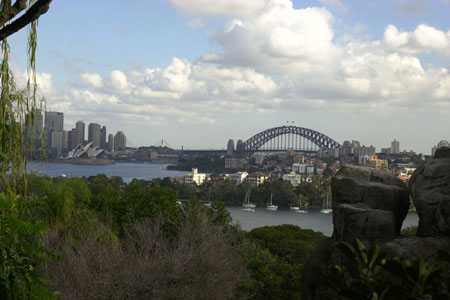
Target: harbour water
<point>128,171</point>
<point>313,220</point>
<point>247,220</point>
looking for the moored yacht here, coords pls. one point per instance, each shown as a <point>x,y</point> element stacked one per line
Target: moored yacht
<point>326,205</point>
<point>247,205</point>
<point>271,206</point>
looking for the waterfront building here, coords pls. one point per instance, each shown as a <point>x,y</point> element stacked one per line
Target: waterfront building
<point>238,177</point>
<point>294,178</point>
<point>81,127</point>
<point>256,179</point>
<point>33,130</point>
<point>230,147</point>
<point>395,147</point>
<point>94,134</point>
<point>57,142</point>
<point>304,169</point>
<point>65,140</point>
<point>110,142</point>
<point>54,121</point>
<point>103,142</point>
<point>195,177</point>
<point>74,138</point>
<point>235,163</point>
<point>377,163</point>
<point>120,141</point>
<point>386,150</point>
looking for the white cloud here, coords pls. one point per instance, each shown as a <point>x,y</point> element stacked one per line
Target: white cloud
<point>93,79</point>
<point>424,38</point>
<point>279,38</point>
<point>275,59</point>
<point>119,80</point>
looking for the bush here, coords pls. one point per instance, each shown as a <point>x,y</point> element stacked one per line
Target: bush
<point>21,254</point>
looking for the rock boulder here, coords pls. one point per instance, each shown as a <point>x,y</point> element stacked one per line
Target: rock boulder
<point>430,190</point>
<point>368,204</point>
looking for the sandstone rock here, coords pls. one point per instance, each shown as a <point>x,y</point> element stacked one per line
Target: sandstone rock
<point>368,204</point>
<point>360,221</point>
<point>417,247</point>
<point>430,190</point>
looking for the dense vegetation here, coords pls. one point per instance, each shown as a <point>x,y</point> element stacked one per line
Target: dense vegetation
<point>101,238</point>
<point>284,194</point>
<point>205,163</point>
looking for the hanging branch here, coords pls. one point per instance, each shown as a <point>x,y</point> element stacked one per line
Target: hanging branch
<point>39,8</point>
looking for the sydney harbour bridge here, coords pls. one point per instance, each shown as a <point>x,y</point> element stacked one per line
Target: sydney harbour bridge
<point>280,139</point>
<point>285,138</point>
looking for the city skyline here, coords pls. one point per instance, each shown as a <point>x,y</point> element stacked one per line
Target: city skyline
<point>186,70</point>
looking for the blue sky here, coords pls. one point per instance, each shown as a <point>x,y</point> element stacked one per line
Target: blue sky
<point>207,95</point>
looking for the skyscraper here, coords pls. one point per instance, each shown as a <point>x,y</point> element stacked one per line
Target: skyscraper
<point>395,147</point>
<point>81,127</point>
<point>103,143</point>
<point>110,142</point>
<point>120,141</point>
<point>94,134</point>
<point>57,142</point>
<point>54,122</point>
<point>34,126</point>
<point>74,138</point>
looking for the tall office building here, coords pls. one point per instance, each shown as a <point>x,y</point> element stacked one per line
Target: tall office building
<point>57,142</point>
<point>110,142</point>
<point>103,142</point>
<point>94,134</point>
<point>74,138</point>
<point>230,147</point>
<point>65,141</point>
<point>120,141</point>
<point>34,126</point>
<point>54,122</point>
<point>81,127</point>
<point>395,147</point>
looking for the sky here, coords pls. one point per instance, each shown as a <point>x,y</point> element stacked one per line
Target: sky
<point>198,72</point>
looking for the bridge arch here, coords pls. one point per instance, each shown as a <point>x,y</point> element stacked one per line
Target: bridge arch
<point>294,137</point>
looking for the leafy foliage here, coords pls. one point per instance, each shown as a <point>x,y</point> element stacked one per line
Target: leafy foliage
<point>21,255</point>
<point>367,273</point>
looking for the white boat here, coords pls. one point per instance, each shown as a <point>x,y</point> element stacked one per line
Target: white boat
<point>301,208</point>
<point>271,206</point>
<point>208,204</point>
<point>326,205</point>
<point>247,205</point>
<point>248,209</point>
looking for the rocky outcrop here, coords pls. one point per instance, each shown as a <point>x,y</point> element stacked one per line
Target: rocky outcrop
<point>368,204</point>
<point>430,190</point>
<point>371,205</point>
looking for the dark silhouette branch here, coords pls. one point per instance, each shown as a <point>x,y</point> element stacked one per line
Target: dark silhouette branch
<point>39,8</point>
<point>10,12</point>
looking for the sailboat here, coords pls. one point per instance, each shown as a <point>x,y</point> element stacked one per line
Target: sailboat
<point>326,205</point>
<point>271,206</point>
<point>247,205</point>
<point>295,206</point>
<point>303,207</point>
